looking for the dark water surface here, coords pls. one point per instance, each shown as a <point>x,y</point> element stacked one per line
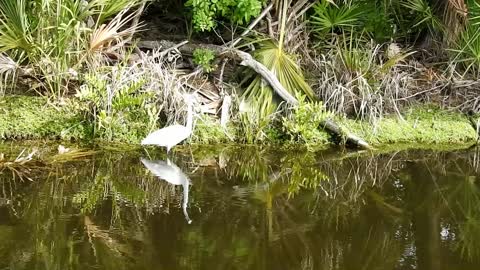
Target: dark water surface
<point>240,208</point>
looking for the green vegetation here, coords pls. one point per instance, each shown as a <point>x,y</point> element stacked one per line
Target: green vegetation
<point>204,58</point>
<point>54,41</point>
<point>23,117</point>
<point>366,64</point>
<point>303,125</point>
<point>29,117</point>
<point>204,12</point>
<point>426,125</point>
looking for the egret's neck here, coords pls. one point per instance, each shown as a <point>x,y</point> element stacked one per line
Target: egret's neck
<point>185,200</point>
<point>189,117</point>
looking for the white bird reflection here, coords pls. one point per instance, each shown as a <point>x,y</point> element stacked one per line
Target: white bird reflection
<point>171,173</point>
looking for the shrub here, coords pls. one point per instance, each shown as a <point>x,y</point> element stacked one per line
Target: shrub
<point>205,12</point>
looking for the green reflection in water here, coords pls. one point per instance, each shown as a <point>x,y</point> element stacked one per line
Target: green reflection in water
<point>252,208</point>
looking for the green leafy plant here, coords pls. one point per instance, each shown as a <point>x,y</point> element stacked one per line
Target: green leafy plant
<point>425,17</point>
<point>204,58</point>
<point>205,12</point>
<point>303,123</point>
<point>120,113</point>
<point>329,17</point>
<point>209,131</point>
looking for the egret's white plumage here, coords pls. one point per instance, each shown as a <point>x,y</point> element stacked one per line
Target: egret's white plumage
<point>171,173</point>
<point>172,135</point>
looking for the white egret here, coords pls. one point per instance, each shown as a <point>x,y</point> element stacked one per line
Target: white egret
<point>172,135</point>
<point>171,173</point>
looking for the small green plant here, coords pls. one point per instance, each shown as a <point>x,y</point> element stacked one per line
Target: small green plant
<point>303,123</point>
<point>204,58</point>
<point>205,12</point>
<point>120,113</point>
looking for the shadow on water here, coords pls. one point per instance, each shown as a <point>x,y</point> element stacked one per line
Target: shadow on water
<point>252,208</point>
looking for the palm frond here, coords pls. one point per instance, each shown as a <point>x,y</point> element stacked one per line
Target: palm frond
<point>15,31</point>
<point>425,14</point>
<point>108,8</point>
<point>108,33</point>
<point>284,67</point>
<point>329,17</point>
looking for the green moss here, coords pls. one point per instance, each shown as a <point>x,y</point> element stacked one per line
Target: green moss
<point>33,118</point>
<point>27,117</point>
<point>424,125</point>
<point>209,131</point>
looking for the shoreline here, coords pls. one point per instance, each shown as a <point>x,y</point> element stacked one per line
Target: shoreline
<point>35,118</point>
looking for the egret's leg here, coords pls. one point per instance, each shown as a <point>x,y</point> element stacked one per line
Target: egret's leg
<point>191,154</point>
<point>148,154</point>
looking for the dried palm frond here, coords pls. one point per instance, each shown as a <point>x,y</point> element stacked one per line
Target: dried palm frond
<point>103,38</point>
<point>455,16</point>
<point>7,65</point>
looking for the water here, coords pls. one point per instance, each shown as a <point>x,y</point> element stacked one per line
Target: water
<point>240,208</point>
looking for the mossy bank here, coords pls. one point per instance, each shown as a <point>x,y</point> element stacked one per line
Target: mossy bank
<point>29,117</point>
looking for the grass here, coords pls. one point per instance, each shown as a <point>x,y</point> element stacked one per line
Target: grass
<point>421,125</point>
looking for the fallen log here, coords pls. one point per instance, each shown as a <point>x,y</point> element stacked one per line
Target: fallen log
<point>332,127</point>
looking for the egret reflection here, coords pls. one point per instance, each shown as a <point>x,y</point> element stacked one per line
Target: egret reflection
<point>171,173</point>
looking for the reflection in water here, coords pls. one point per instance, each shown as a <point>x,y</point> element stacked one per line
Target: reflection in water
<point>171,173</point>
<point>261,209</point>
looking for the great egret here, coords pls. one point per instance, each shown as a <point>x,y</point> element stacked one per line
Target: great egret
<point>172,135</point>
<point>171,173</point>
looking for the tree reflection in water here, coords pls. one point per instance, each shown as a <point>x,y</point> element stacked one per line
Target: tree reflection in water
<point>253,209</point>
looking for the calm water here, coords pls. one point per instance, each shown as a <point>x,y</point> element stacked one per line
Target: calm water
<point>240,208</point>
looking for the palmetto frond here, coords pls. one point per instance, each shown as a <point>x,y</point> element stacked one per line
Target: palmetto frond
<point>287,71</point>
<point>15,28</point>
<point>111,32</point>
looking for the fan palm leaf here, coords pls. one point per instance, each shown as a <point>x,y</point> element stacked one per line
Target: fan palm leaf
<point>284,68</point>
<point>15,31</point>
